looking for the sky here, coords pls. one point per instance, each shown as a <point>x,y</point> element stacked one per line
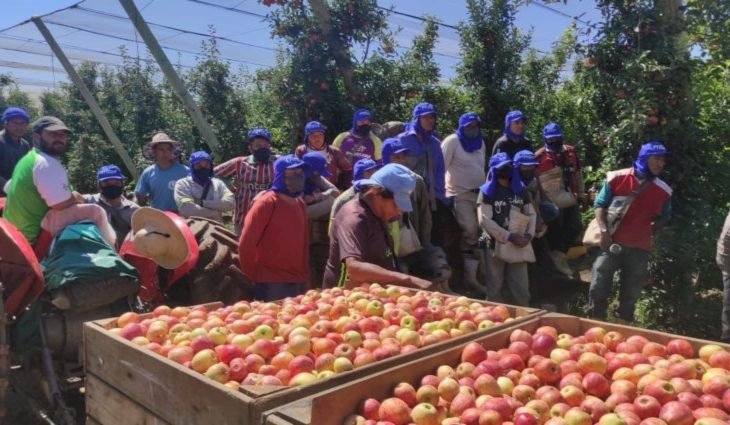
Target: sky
<point>248,40</point>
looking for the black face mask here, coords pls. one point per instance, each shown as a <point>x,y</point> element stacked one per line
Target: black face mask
<point>504,172</point>
<point>262,155</point>
<point>554,144</point>
<point>112,192</point>
<point>363,130</point>
<point>202,175</point>
<point>527,175</point>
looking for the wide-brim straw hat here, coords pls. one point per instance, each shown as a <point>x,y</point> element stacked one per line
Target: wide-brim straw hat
<point>156,235</point>
<point>149,147</point>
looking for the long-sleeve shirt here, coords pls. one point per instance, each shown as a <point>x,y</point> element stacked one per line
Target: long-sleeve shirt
<point>465,171</point>
<point>494,212</point>
<point>274,244</point>
<point>218,199</point>
<point>251,178</point>
<point>434,173</point>
<point>511,147</point>
<point>723,247</point>
<point>10,154</point>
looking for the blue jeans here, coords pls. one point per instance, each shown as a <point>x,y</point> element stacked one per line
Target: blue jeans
<point>633,263</point>
<point>276,291</point>
<point>725,318</point>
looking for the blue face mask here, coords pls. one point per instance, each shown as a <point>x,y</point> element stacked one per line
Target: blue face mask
<point>202,175</point>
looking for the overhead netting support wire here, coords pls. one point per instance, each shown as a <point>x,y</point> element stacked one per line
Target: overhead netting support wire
<point>99,30</point>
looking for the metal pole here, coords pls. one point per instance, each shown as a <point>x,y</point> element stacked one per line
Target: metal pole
<point>166,66</point>
<point>86,94</point>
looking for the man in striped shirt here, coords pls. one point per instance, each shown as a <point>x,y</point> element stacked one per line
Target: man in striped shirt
<point>253,173</point>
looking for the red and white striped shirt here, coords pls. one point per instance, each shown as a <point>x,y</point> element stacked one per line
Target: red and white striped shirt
<point>251,177</point>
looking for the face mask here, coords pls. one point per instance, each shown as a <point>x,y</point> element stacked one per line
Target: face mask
<point>527,175</point>
<point>112,192</point>
<point>203,174</point>
<point>413,163</point>
<point>363,130</point>
<point>295,184</point>
<point>471,133</point>
<point>504,172</point>
<point>262,155</point>
<point>554,144</point>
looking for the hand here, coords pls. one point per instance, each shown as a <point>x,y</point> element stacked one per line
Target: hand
<point>418,282</point>
<point>517,239</point>
<point>540,230</point>
<point>308,199</point>
<point>606,241</point>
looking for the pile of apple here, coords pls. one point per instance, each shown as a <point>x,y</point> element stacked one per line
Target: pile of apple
<point>310,337</point>
<point>544,378</point>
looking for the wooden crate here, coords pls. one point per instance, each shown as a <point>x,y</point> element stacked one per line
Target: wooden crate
<point>334,405</point>
<point>151,389</point>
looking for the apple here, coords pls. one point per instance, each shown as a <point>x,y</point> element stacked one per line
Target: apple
<point>625,387</point>
<point>611,419</point>
<point>525,418</point>
<point>299,345</point>
<point>263,347</point>
<point>505,384</point>
<point>548,371</point>
<point>572,395</point>
<point>707,350</point>
<point>218,372</point>
<point>394,410</point>
<point>676,413</point>
<point>243,341</point>
<point>448,388</point>
<point>181,354</point>
<point>575,416</point>
<point>425,414</point>
<point>487,385</point>
<point>690,399</point>
<point>263,332</point>
<point>237,370</point>
<point>303,378</point>
<point>473,353</point>
<point>407,393</point>
<point>490,417</point>
<point>542,344</point>
<point>710,421</point>
<point>131,330</point>
<point>597,385</point>
<point>681,347</point>
<point>592,362</point>
<point>369,409</point>
<point>595,334</point>
<point>662,390</point>
<point>709,400</point>
<point>710,412</point>
<point>461,402</point>
<point>202,360</point>
<point>523,393</point>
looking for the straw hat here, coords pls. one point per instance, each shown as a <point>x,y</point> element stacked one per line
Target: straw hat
<point>157,236</point>
<point>148,149</point>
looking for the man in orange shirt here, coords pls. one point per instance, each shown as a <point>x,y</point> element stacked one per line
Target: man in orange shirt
<point>274,244</point>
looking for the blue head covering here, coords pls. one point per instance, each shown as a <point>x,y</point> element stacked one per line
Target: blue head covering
<point>511,117</point>
<point>282,164</point>
<point>360,115</point>
<point>653,148</point>
<point>469,144</point>
<point>204,175</point>
<point>258,132</point>
<point>109,172</point>
<point>312,127</point>
<point>420,110</point>
<point>391,146</point>
<point>15,112</point>
<point>524,158</point>
<point>317,163</point>
<point>552,136</point>
<point>361,166</point>
<point>496,162</point>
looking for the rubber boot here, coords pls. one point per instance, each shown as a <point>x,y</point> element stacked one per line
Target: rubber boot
<point>471,266</point>
<point>561,263</point>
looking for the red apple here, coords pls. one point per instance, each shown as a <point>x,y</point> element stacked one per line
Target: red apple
<point>548,371</point>
<point>690,399</point>
<point>661,390</point>
<point>542,344</point>
<point>369,409</point>
<point>676,413</point>
<point>237,370</point>
<point>681,347</point>
<point>596,384</point>
<point>396,411</point>
<point>647,406</point>
<point>406,392</point>
<point>710,412</point>
<point>473,353</point>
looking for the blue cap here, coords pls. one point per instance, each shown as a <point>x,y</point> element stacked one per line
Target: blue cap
<point>397,179</point>
<point>15,112</point>
<point>422,109</point>
<point>524,157</point>
<point>468,118</point>
<point>313,127</point>
<point>499,160</point>
<point>551,131</point>
<point>361,166</point>
<point>198,156</point>
<point>392,146</point>
<point>109,172</point>
<point>316,163</point>
<point>549,211</point>
<point>258,132</point>
<point>653,148</point>
<point>513,116</point>
<point>288,162</point>
<point>362,115</point>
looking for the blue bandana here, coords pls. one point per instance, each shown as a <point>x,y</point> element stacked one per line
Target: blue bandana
<point>469,144</point>
<point>511,117</point>
<point>203,175</point>
<point>653,148</point>
<point>360,115</point>
<point>498,161</point>
<point>317,163</point>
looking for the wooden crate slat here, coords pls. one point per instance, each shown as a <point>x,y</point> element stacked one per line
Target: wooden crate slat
<point>109,407</point>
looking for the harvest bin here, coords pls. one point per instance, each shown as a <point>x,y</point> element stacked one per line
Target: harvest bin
<point>127,384</point>
<point>334,405</point>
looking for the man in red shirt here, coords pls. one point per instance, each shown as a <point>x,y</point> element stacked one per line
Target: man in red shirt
<point>626,245</point>
<point>274,244</point>
<point>252,173</point>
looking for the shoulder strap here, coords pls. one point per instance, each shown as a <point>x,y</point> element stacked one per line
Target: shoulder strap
<point>206,189</point>
<point>628,201</point>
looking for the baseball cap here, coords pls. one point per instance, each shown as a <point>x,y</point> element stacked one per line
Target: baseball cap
<point>361,166</point>
<point>653,148</point>
<point>551,131</point>
<point>362,115</point>
<point>15,112</point>
<point>258,133</point>
<point>288,162</point>
<point>49,123</point>
<point>423,108</point>
<point>313,127</point>
<point>524,157</point>
<point>198,156</point>
<point>513,116</point>
<point>392,146</point>
<point>316,163</point>
<point>109,172</point>
<point>397,179</point>
<point>468,118</point>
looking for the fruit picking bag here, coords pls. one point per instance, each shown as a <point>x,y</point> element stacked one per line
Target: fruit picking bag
<point>553,184</point>
<point>509,252</point>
